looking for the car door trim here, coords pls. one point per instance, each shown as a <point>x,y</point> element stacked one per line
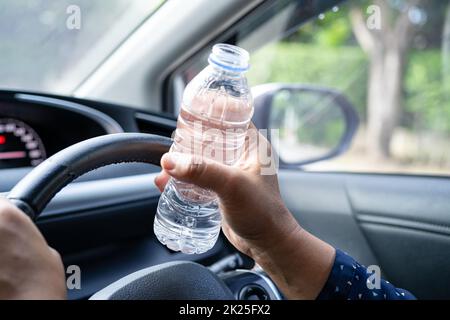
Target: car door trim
<point>403,223</point>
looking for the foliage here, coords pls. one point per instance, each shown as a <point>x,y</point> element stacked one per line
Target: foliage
<point>427,95</point>
<point>324,52</point>
<point>342,68</point>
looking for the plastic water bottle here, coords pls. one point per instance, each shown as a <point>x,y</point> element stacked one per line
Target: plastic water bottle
<point>216,110</point>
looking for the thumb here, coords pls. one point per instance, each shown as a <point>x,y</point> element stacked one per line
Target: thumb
<point>204,173</point>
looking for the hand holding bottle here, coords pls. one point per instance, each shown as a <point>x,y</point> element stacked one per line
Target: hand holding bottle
<point>255,219</point>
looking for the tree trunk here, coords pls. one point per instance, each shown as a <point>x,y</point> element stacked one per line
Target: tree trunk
<point>446,49</point>
<point>385,98</point>
<point>387,49</point>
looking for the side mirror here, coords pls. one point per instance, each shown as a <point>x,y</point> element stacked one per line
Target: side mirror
<point>313,123</point>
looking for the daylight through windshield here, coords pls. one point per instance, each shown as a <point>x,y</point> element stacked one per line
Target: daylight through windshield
<point>51,46</point>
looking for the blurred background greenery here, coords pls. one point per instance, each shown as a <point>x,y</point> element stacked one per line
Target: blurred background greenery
<point>326,51</point>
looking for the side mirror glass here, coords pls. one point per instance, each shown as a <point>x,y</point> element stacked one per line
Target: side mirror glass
<point>312,123</point>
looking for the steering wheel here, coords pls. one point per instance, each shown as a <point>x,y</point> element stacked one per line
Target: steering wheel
<point>173,280</point>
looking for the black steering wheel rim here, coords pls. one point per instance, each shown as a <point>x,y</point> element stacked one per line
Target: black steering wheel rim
<point>36,189</point>
<point>173,280</point>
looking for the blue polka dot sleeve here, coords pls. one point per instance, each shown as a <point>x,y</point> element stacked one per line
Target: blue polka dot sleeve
<point>349,280</point>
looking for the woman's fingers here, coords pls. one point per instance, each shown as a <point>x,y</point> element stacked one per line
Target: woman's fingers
<point>161,180</point>
<point>201,172</point>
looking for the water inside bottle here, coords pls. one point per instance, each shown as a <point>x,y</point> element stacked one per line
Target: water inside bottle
<point>212,124</point>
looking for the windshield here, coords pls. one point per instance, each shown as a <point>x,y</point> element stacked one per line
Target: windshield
<point>53,45</point>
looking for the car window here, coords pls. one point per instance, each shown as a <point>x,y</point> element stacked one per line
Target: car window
<point>390,59</point>
<point>53,45</point>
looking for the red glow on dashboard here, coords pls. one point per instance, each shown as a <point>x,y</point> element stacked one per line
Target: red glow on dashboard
<point>2,139</point>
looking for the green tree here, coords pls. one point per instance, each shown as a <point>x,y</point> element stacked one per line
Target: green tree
<point>386,37</point>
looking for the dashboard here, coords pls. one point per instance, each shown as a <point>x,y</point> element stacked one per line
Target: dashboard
<point>34,127</point>
<point>20,145</point>
<point>103,221</point>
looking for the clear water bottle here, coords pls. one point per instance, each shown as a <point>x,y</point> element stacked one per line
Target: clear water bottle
<point>216,110</point>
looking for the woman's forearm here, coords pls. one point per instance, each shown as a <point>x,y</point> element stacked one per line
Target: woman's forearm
<point>298,263</point>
